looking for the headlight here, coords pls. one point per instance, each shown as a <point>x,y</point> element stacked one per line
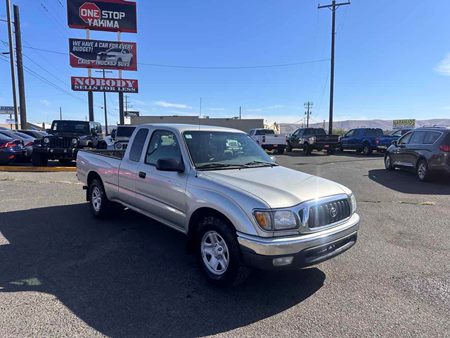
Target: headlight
<point>353,201</point>
<point>46,140</point>
<point>118,146</point>
<point>74,141</point>
<point>276,220</point>
<point>312,139</point>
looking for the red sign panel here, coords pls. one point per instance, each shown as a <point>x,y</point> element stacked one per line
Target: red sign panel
<point>103,54</point>
<point>95,84</point>
<point>103,15</point>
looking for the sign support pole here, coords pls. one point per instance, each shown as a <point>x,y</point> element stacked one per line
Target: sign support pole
<point>90,93</point>
<point>121,105</point>
<point>11,59</point>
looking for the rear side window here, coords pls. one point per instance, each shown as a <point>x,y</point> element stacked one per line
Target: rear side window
<point>138,145</point>
<point>446,141</point>
<point>431,137</point>
<point>374,132</point>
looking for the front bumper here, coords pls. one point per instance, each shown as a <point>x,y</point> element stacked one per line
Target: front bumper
<point>57,152</point>
<point>306,250</point>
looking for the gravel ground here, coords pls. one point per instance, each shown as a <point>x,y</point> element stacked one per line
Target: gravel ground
<point>62,273</point>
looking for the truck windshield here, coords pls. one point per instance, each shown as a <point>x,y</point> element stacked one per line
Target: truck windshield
<point>125,131</point>
<point>214,150</point>
<point>71,127</point>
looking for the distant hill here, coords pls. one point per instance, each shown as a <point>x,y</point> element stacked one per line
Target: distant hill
<point>287,128</point>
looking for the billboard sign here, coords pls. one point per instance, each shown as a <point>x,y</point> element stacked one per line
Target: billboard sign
<point>103,54</point>
<point>6,110</point>
<point>402,124</point>
<point>103,15</point>
<point>94,84</point>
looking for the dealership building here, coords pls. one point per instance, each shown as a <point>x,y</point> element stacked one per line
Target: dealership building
<point>235,123</point>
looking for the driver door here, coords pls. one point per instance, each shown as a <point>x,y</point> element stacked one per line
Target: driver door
<point>162,194</point>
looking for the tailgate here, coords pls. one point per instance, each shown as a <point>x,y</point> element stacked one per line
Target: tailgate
<point>327,139</point>
<point>274,139</point>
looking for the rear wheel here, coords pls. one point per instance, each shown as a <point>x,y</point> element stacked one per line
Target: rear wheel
<point>288,147</point>
<point>218,253</point>
<point>98,202</point>
<point>388,162</point>
<point>423,173</point>
<point>330,151</point>
<point>280,150</point>
<point>39,160</point>
<point>366,150</point>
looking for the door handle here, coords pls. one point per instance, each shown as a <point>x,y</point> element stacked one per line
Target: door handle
<point>142,174</point>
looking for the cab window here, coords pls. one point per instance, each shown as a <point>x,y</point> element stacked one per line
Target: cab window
<point>163,145</point>
<point>417,137</point>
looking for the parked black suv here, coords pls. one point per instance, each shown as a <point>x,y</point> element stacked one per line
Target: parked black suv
<point>424,150</point>
<point>310,139</point>
<point>65,139</point>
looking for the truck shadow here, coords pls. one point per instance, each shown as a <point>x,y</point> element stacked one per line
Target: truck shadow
<point>407,182</point>
<point>131,276</point>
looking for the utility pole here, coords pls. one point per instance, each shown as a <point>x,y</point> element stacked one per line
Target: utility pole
<point>121,109</point>
<point>60,113</point>
<point>308,112</point>
<point>11,60</point>
<point>240,113</point>
<point>20,75</point>
<point>104,102</point>
<point>333,6</point>
<point>200,111</point>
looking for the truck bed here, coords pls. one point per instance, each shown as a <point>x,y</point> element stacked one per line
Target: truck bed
<point>117,154</point>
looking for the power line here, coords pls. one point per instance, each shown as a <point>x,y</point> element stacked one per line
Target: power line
<point>159,65</point>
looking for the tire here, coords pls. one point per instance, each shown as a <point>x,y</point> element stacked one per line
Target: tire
<point>366,150</point>
<point>280,150</point>
<point>307,149</point>
<point>39,160</point>
<point>422,171</point>
<point>99,204</point>
<point>288,147</point>
<point>64,161</point>
<point>388,162</point>
<point>330,151</point>
<point>218,253</point>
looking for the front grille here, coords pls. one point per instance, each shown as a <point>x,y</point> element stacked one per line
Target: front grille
<point>60,142</point>
<point>328,213</point>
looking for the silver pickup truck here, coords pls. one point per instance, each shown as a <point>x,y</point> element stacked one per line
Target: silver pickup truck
<point>237,206</point>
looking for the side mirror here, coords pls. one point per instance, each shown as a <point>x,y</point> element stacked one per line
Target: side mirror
<point>170,164</point>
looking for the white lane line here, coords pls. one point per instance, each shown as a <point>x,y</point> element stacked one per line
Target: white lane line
<point>3,240</point>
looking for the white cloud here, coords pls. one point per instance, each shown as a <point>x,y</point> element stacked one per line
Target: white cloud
<point>45,102</point>
<point>443,67</point>
<point>261,109</point>
<point>165,104</point>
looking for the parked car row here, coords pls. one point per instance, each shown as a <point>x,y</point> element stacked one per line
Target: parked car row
<point>18,145</point>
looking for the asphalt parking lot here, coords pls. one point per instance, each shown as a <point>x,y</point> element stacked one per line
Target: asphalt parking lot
<point>62,273</point>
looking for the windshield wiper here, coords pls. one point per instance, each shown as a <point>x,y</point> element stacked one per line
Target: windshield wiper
<point>218,166</point>
<point>260,164</point>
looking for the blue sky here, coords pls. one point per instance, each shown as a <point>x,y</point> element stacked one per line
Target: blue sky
<point>392,59</point>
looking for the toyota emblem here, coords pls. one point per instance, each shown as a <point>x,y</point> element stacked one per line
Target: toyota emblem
<point>333,212</point>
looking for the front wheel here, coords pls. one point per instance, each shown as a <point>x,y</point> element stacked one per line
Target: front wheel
<point>98,202</point>
<point>307,149</point>
<point>39,160</point>
<point>218,253</point>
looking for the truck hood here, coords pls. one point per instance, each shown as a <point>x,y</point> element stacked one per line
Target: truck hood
<point>279,187</point>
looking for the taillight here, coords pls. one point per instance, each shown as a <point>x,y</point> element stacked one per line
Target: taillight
<point>264,139</point>
<point>7,145</point>
<point>445,148</point>
<point>29,144</point>
<point>377,141</point>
